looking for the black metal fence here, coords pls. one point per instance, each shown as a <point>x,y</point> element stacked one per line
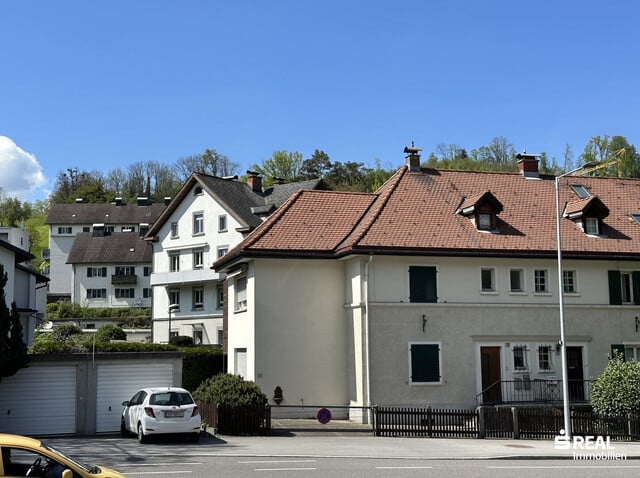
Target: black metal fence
<point>425,422</point>
<point>525,390</point>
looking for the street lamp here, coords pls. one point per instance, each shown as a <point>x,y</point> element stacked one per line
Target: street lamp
<point>563,343</point>
<point>172,307</point>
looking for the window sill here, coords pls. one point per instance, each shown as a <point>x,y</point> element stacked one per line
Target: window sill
<point>517,292</point>
<point>237,311</point>
<point>543,294</point>
<point>425,383</point>
<point>489,292</point>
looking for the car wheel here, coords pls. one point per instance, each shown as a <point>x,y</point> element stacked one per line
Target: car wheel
<point>142,438</point>
<point>123,429</point>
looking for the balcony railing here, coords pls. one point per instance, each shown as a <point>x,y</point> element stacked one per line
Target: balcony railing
<point>124,279</point>
<point>533,391</point>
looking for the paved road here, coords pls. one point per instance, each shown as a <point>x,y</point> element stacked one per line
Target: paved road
<point>339,456</point>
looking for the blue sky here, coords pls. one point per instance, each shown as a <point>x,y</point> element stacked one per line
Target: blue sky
<point>100,85</point>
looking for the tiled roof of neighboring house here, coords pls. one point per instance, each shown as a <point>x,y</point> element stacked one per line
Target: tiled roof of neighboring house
<point>414,212</point>
<point>119,247</point>
<point>87,213</point>
<point>247,206</point>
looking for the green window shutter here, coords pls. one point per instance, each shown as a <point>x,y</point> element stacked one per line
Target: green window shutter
<point>422,284</point>
<point>615,288</point>
<point>635,278</point>
<point>425,363</point>
<point>617,348</point>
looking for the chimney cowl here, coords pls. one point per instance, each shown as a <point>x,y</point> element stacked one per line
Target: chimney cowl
<point>528,165</point>
<point>413,157</point>
<point>254,181</point>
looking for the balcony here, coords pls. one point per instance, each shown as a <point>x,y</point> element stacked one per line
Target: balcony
<point>124,279</point>
<point>184,277</point>
<point>536,391</point>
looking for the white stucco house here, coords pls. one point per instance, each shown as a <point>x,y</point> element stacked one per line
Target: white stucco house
<point>207,217</point>
<point>25,286</point>
<point>65,221</point>
<point>440,289</point>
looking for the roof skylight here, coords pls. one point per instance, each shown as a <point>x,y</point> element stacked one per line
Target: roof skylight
<point>580,190</point>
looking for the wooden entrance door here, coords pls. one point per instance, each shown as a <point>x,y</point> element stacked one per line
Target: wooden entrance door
<point>575,374</point>
<point>490,371</point>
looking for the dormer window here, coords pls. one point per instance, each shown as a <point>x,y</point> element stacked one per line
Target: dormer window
<point>591,225</point>
<point>482,209</point>
<point>588,214</point>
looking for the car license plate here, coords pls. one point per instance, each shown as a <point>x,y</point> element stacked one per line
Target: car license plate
<point>174,413</point>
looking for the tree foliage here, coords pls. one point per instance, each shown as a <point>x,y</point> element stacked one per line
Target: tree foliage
<point>624,157</point>
<point>108,332</point>
<point>13,351</point>
<point>210,162</point>
<point>617,390</point>
<point>285,165</point>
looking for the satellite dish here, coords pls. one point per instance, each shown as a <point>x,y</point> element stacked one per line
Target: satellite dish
<point>48,325</point>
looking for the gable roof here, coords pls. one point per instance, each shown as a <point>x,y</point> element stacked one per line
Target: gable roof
<point>20,255</point>
<point>87,213</point>
<point>415,213</point>
<point>248,207</point>
<point>119,248</point>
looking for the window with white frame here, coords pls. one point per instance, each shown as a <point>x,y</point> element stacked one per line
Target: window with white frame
<point>65,230</point>
<point>147,293</point>
<point>198,258</point>
<point>545,358</point>
<point>541,280</point>
<point>197,336</point>
<point>198,223</point>
<point>174,262</point>
<point>516,280</point>
<point>197,294</point>
<point>96,272</point>
<point>592,225</point>
<point>219,296</point>
<point>626,283</point>
<point>174,298</point>
<point>126,293</point>
<point>488,279</point>
<point>240,293</point>
<point>125,270</point>
<point>222,223</point>
<point>174,230</point>
<point>425,363</point>
<point>520,362</point>
<point>146,271</point>
<point>632,352</point>
<point>569,281</point>
<point>96,293</point>
<point>222,250</point>
<point>485,221</point>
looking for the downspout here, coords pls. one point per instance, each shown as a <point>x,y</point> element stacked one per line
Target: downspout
<point>366,336</point>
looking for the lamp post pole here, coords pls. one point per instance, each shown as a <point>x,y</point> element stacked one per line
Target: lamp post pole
<point>172,307</point>
<point>563,342</point>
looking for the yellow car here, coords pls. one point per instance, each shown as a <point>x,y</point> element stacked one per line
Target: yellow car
<point>23,456</point>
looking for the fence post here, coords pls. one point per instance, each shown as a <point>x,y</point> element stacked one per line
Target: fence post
<point>481,426</point>
<point>516,427</point>
<point>376,430</point>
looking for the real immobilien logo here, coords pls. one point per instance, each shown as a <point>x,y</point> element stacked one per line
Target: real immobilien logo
<point>588,447</point>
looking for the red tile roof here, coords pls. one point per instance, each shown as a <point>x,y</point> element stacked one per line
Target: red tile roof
<point>415,213</point>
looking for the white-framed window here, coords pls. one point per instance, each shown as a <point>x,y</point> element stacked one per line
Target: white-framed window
<point>198,258</point>
<point>146,271</point>
<point>569,281</point>
<point>86,228</point>
<point>197,336</point>
<point>220,336</point>
<point>592,225</point>
<point>632,352</point>
<point>484,222</point>
<point>219,296</point>
<point>545,358</point>
<point>198,223</point>
<point>425,363</point>
<point>516,280</point>
<point>174,262</point>
<point>127,228</point>
<point>197,295</point>
<point>488,279</point>
<point>174,230</point>
<point>222,223</point>
<point>240,293</point>
<point>222,250</point>
<point>96,272</point>
<point>541,281</point>
<point>520,358</point>
<point>96,293</point>
<point>147,293</point>
<point>125,270</point>
<point>109,229</point>
<point>65,230</point>
<point>626,285</point>
<point>125,293</point>
<point>174,297</point>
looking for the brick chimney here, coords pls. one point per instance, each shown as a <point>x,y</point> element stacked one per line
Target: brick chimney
<point>528,165</point>
<point>413,157</point>
<point>254,181</point>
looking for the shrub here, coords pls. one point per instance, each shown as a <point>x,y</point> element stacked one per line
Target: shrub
<point>63,332</point>
<point>617,390</point>
<point>110,332</point>
<point>181,341</point>
<point>200,363</point>
<point>230,390</point>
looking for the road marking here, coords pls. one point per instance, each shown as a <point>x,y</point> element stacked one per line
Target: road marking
<point>403,467</point>
<point>123,465</point>
<point>532,467</point>
<point>284,469</point>
<point>255,462</point>
<point>157,472</point>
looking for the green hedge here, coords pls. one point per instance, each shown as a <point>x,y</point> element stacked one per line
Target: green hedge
<point>230,390</point>
<point>128,317</point>
<point>199,364</point>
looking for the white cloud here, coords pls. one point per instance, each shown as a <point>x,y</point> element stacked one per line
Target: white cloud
<point>20,172</point>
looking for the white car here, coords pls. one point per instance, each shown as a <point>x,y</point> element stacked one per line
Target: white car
<point>160,411</point>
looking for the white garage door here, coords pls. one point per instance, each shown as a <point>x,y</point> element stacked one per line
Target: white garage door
<point>118,382</point>
<point>39,400</point>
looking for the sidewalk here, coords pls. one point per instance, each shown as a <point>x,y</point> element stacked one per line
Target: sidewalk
<point>340,446</point>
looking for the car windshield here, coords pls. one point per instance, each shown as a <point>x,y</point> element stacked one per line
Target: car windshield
<point>88,468</point>
<point>170,398</point>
